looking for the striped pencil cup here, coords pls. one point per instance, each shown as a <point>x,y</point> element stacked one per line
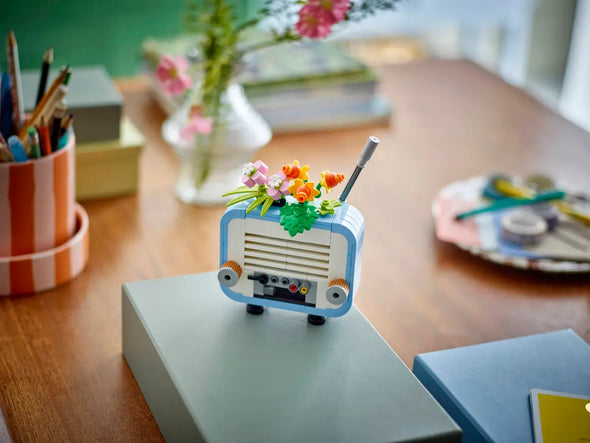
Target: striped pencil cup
<point>43,232</point>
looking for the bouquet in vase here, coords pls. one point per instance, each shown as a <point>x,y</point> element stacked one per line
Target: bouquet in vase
<point>207,77</point>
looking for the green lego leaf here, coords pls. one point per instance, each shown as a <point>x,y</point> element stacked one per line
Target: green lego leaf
<point>256,203</point>
<point>298,217</point>
<point>267,204</point>
<point>246,194</point>
<point>240,190</point>
<point>329,207</point>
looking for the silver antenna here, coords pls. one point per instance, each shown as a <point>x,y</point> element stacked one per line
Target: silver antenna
<point>366,154</point>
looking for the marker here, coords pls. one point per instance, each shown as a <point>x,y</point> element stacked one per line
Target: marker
<point>366,154</point>
<point>34,142</point>
<point>17,149</point>
<point>47,60</point>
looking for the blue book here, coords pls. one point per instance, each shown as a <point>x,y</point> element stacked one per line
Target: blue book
<point>485,388</point>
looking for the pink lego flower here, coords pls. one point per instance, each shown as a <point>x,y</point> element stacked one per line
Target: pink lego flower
<point>172,74</point>
<point>332,11</point>
<point>196,125</point>
<point>278,185</point>
<point>312,23</point>
<point>254,173</point>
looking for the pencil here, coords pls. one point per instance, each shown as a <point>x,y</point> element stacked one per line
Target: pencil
<point>18,113</point>
<point>41,106</point>
<point>47,60</point>
<point>44,138</point>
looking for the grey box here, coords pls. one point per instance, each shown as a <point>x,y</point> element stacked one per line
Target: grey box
<point>210,371</point>
<point>92,98</point>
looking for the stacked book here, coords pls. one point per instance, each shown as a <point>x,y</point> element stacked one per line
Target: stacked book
<point>309,86</point>
<point>107,144</point>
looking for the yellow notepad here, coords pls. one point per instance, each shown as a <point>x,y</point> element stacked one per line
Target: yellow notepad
<point>559,417</point>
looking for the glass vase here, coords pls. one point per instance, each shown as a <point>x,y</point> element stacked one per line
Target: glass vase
<point>211,164</point>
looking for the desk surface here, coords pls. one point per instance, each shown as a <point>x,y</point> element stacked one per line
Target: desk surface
<point>62,374</point>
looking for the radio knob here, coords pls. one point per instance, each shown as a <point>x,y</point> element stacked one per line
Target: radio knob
<point>337,291</point>
<point>229,274</point>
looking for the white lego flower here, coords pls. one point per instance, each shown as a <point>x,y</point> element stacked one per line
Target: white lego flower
<point>248,169</point>
<point>274,181</point>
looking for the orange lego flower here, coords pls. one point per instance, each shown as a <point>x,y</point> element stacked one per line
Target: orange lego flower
<point>303,191</point>
<point>330,179</point>
<point>294,170</point>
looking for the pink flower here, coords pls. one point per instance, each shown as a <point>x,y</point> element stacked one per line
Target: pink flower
<point>278,185</point>
<point>254,173</point>
<point>332,11</point>
<point>196,125</point>
<point>312,23</point>
<point>172,74</point>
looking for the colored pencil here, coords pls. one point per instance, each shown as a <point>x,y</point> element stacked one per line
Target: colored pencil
<point>44,138</point>
<point>18,112</point>
<point>47,60</point>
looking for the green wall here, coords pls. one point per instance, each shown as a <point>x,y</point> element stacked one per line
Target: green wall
<point>84,32</point>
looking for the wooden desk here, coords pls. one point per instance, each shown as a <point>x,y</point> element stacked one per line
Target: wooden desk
<point>62,374</point>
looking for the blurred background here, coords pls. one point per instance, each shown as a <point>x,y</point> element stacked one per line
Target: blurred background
<point>542,46</point>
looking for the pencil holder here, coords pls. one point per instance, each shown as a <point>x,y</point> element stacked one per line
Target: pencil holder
<point>43,232</point>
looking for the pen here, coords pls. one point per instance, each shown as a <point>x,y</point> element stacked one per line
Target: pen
<point>47,60</point>
<point>511,203</point>
<point>58,115</point>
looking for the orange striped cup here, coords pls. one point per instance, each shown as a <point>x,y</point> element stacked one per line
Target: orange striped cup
<point>37,203</point>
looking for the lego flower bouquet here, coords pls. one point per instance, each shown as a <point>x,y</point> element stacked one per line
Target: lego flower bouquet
<point>297,214</point>
<point>217,129</point>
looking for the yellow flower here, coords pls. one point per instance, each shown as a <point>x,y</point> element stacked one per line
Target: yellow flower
<point>294,171</point>
<point>303,191</point>
<point>330,179</point>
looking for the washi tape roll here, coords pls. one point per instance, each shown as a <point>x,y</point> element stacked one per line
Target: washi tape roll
<point>523,227</point>
<point>549,213</point>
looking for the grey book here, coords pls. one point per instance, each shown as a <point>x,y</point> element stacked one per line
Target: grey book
<point>212,372</point>
<point>92,98</point>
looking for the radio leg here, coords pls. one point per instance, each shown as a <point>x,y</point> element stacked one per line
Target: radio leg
<point>254,309</point>
<point>316,319</point>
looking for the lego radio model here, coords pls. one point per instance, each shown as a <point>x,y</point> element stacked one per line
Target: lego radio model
<point>316,272</point>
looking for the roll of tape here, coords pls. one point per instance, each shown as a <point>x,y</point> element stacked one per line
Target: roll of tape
<point>523,227</point>
<point>549,213</point>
